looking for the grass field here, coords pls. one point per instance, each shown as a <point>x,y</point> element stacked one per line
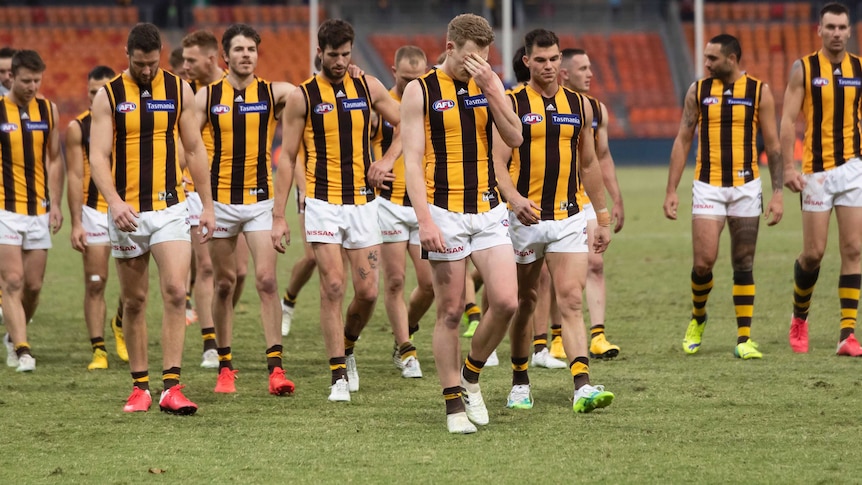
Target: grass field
<point>706,418</point>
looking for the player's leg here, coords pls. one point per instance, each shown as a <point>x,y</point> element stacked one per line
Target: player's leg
<point>393,257</point>
<point>224,267</point>
<point>806,270</point>
<point>743,241</point>
<point>472,311</point>
<point>364,269</point>
<point>332,274</point>
<point>241,253</point>
<point>133,277</point>
<point>541,354</point>
<point>203,293</point>
<point>173,257</point>
<point>12,276</point>
<point>600,348</point>
<point>850,241</point>
<point>301,272</point>
<point>95,279</point>
<point>705,232</point>
<point>35,261</point>
<point>422,297</point>
<point>520,331</point>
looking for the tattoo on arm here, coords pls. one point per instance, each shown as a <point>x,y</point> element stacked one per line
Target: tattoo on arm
<point>776,169</point>
<point>689,113</point>
<point>797,65</point>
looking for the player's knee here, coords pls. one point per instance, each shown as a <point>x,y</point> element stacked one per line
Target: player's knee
<point>811,258</point>
<point>332,290</point>
<point>425,288</point>
<point>596,265</point>
<point>14,283</point>
<point>204,271</point>
<point>365,294</point>
<point>174,294</point>
<point>395,283</point>
<point>133,305</point>
<point>850,251</point>
<point>266,284</point>
<point>450,316</point>
<point>95,285</point>
<point>224,286</point>
<point>506,307</point>
<point>703,267</point>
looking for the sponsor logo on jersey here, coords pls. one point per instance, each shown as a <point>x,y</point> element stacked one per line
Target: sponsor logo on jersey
<point>443,105</point>
<point>246,108</point>
<point>849,82</point>
<point>566,119</point>
<point>220,109</point>
<point>323,108</point>
<point>352,104</point>
<point>740,101</point>
<point>161,105</point>
<point>36,125</point>
<point>318,232</point>
<point>528,252</point>
<point>820,82</point>
<point>478,101</point>
<point>126,107</point>
<point>710,101</point>
<point>532,118</point>
<point>453,250</point>
<point>8,127</point>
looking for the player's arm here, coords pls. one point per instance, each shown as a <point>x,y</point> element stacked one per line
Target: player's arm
<point>293,124</point>
<point>793,96</point>
<point>196,158</point>
<point>380,173</point>
<point>413,134</point>
<point>101,138</point>
<point>775,208</point>
<point>55,173</point>
<point>609,172</point>
<point>525,210</point>
<point>200,107</point>
<point>591,178</point>
<point>75,183</point>
<point>280,92</point>
<point>504,116</point>
<point>679,152</point>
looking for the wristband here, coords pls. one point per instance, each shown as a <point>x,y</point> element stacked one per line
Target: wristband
<point>603,217</point>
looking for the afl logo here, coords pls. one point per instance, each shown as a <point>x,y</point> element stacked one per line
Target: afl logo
<point>8,127</point>
<point>710,101</point>
<point>323,108</point>
<point>820,82</point>
<point>126,107</point>
<point>532,118</point>
<point>220,109</point>
<point>443,105</point>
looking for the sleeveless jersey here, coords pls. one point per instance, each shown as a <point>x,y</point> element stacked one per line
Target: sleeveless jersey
<point>459,174</point>
<point>24,133</point>
<point>92,197</point>
<point>146,160</point>
<point>582,197</point>
<point>380,142</point>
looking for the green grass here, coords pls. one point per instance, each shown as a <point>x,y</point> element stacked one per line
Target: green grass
<point>708,418</point>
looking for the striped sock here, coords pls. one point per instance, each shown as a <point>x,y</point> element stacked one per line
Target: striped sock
<point>141,380</point>
<point>338,367</point>
<point>209,337</point>
<point>471,370</point>
<point>848,293</point>
<point>225,358</point>
<point>743,302</point>
<point>700,288</point>
<point>519,371</point>
<point>580,368</point>
<point>803,288</point>
<point>540,343</point>
<point>171,377</point>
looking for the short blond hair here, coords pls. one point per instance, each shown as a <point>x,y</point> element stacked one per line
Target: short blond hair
<point>468,26</point>
<point>411,53</point>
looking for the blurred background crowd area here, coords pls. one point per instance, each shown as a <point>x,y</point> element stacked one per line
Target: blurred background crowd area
<point>641,50</point>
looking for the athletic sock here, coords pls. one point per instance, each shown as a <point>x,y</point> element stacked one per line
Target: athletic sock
<point>700,288</point>
<point>743,302</point>
<point>454,403</point>
<point>98,343</point>
<point>596,330</point>
<point>119,319</point>
<point>580,368</point>
<point>22,349</point>
<point>848,293</point>
<point>556,331</point>
<point>273,357</point>
<point>519,371</point>
<point>209,337</point>
<point>141,380</point>
<point>471,370</point>
<point>349,343</point>
<point>289,299</point>
<point>407,350</point>
<point>338,367</point>
<point>225,358</point>
<point>473,312</point>
<point>540,343</point>
<point>803,288</point>
<point>171,377</point>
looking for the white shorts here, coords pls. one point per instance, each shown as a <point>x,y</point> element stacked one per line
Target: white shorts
<point>741,201</point>
<point>95,226</point>
<point>590,212</point>
<point>351,226</point>
<point>840,186</point>
<point>231,219</point>
<point>154,227</point>
<point>397,222</point>
<point>531,243</point>
<point>29,232</point>
<point>196,207</point>
<point>465,233</point>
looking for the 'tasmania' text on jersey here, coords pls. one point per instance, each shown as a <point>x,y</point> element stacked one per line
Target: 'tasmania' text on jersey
<point>242,126</point>
<point>459,175</point>
<point>337,140</point>
<point>833,98</point>
<point>24,133</point>
<point>728,120</point>
<point>146,139</point>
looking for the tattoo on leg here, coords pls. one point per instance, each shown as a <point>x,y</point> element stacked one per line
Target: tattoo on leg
<point>743,240</point>
<point>363,273</point>
<point>372,259</point>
